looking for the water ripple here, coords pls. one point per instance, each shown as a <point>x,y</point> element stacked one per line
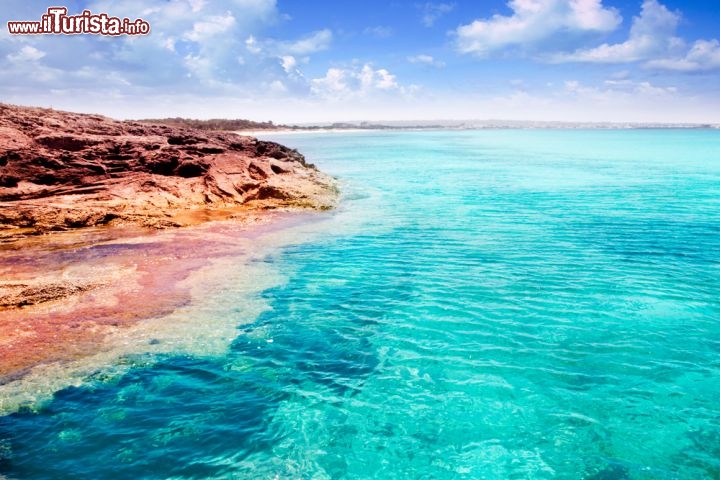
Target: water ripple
<point>515,305</point>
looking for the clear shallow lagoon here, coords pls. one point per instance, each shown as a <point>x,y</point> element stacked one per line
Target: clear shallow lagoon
<point>511,304</point>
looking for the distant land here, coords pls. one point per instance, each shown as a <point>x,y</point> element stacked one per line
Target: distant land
<point>214,124</point>
<point>250,125</point>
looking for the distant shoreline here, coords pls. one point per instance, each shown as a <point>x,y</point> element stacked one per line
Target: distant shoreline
<point>497,124</point>
<point>299,131</point>
<point>249,127</point>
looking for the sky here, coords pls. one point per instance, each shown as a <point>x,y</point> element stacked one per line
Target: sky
<point>293,61</point>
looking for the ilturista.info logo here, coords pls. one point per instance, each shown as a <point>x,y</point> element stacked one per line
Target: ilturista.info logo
<point>57,22</point>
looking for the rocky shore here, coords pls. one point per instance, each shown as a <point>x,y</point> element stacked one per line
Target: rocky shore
<point>82,200</point>
<point>61,171</point>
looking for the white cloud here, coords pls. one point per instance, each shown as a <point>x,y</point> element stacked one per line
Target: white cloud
<point>431,12</point>
<point>354,82</point>
<point>169,44</point>
<point>647,88</point>
<point>652,40</point>
<point>617,88</point>
<point>572,85</point>
<point>277,86</point>
<point>251,44</point>
<point>704,55</point>
<point>311,43</point>
<point>198,66</point>
<point>289,63</point>
<point>294,80</point>
<point>26,54</point>
<point>314,42</point>
<point>428,60</point>
<point>385,80</point>
<point>213,25</point>
<point>533,21</point>
<point>332,84</point>
<point>197,5</point>
<point>218,47</point>
<point>178,16</point>
<point>193,42</point>
<point>652,33</point>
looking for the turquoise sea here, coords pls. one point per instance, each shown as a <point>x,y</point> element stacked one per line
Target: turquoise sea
<point>497,304</point>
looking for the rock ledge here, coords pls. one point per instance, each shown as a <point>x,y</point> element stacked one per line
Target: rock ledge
<point>61,170</point>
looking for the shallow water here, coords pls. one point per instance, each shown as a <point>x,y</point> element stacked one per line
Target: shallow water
<point>492,304</point>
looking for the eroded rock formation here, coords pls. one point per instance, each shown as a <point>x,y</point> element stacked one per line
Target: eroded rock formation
<point>61,170</point>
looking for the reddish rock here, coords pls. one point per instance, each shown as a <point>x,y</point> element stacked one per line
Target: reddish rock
<point>61,170</point>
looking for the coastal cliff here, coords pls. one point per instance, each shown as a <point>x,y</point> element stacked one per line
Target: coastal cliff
<point>61,170</point>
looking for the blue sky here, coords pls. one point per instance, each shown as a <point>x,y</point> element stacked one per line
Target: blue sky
<point>315,61</point>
